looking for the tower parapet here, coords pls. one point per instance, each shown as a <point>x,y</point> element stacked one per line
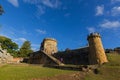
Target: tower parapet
<point>91,35</point>
<point>97,54</point>
<point>49,46</point>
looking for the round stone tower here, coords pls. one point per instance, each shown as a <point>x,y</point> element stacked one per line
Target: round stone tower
<point>96,51</point>
<point>49,46</point>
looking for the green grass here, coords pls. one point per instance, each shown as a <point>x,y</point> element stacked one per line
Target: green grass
<point>26,72</point>
<point>114,59</point>
<point>109,71</point>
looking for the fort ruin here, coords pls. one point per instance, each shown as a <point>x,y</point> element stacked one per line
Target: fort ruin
<point>49,46</point>
<point>5,57</point>
<point>89,55</point>
<point>96,50</point>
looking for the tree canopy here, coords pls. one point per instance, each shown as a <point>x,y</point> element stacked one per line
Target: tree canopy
<point>12,47</point>
<point>25,49</point>
<point>9,45</point>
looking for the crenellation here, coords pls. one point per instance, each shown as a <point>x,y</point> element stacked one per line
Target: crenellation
<point>92,35</point>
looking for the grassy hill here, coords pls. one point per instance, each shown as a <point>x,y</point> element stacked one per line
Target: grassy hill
<point>109,71</point>
<point>28,72</point>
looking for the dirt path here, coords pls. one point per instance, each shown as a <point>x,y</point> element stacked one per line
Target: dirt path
<point>70,76</point>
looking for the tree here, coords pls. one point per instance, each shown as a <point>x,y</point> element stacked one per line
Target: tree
<point>25,49</point>
<point>1,10</point>
<point>9,45</point>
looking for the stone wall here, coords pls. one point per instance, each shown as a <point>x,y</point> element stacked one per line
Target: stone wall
<point>92,54</point>
<point>40,57</point>
<point>5,57</point>
<point>74,57</point>
<point>49,46</point>
<point>96,51</point>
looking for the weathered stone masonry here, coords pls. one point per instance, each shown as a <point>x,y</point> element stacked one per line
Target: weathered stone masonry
<point>5,57</point>
<point>96,51</point>
<point>92,54</point>
<point>49,46</point>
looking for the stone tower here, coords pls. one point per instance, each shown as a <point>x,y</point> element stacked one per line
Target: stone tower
<point>49,46</point>
<point>96,51</point>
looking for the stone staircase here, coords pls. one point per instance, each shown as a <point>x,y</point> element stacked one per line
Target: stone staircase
<point>53,59</point>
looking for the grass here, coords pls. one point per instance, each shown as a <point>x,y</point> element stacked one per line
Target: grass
<point>26,72</point>
<point>114,59</point>
<point>109,71</point>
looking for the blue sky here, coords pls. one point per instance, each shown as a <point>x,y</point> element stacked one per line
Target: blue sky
<point>68,21</point>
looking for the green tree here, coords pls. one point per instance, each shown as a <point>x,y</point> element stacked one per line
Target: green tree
<point>1,10</point>
<point>7,43</point>
<point>25,49</point>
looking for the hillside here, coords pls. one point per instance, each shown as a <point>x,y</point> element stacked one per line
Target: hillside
<point>109,71</point>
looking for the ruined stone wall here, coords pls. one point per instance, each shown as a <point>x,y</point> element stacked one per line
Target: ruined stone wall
<point>92,54</point>
<point>49,46</point>
<point>74,57</point>
<point>5,57</point>
<point>40,57</point>
<point>37,58</point>
<point>97,54</point>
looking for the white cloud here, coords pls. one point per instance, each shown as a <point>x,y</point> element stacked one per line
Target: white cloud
<point>91,29</point>
<point>99,10</point>
<point>48,3</point>
<point>14,2</point>
<point>32,1</point>
<point>110,24</point>
<point>40,10</point>
<point>20,40</point>
<point>51,3</point>
<point>115,11</point>
<point>2,34</point>
<point>35,47</point>
<point>23,32</point>
<point>114,1</point>
<point>42,5</point>
<point>8,31</point>
<point>41,31</point>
